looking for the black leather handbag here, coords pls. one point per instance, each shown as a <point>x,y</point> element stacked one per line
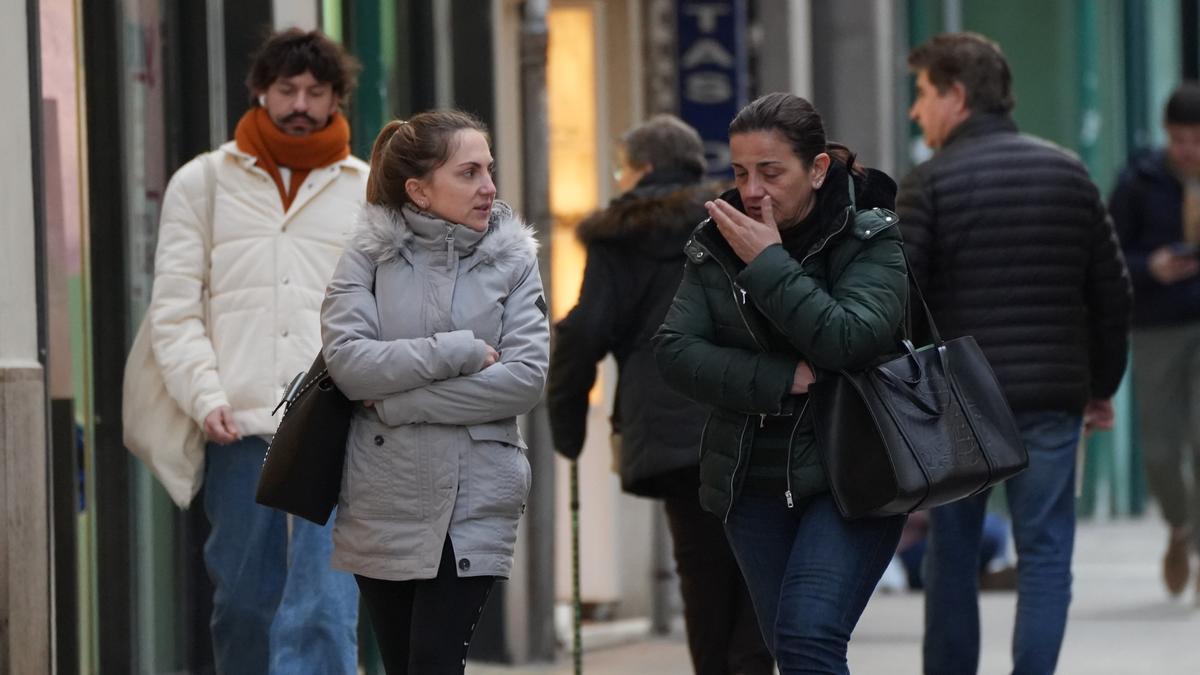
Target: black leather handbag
<point>926,428</point>
<point>302,472</point>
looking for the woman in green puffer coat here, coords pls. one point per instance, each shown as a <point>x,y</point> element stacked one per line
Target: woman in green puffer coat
<point>783,280</point>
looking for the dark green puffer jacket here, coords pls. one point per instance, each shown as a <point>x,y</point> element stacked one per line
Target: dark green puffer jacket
<point>841,307</point>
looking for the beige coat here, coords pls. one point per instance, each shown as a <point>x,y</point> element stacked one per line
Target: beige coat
<point>265,271</point>
<point>404,323</point>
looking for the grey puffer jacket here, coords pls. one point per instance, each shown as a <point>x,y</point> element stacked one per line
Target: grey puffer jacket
<point>404,322</point>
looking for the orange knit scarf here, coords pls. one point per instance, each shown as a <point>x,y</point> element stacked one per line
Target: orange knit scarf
<point>257,135</point>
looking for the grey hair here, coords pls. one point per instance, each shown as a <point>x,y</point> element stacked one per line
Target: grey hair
<point>665,142</point>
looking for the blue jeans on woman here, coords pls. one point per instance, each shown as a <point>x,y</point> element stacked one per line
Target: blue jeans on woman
<point>278,607</point>
<point>810,573</point>
<point>1041,501</point>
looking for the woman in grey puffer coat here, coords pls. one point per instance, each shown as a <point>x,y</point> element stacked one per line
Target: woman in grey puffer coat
<point>435,322</point>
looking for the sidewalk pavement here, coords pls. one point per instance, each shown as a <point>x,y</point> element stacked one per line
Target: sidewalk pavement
<point>1122,622</point>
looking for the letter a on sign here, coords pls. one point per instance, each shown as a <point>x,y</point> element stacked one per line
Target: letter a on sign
<point>707,51</point>
<point>713,76</point>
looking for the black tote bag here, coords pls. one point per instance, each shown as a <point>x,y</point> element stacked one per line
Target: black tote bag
<point>917,431</point>
<point>302,472</point>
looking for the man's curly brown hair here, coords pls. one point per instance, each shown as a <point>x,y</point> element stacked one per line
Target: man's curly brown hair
<point>293,51</point>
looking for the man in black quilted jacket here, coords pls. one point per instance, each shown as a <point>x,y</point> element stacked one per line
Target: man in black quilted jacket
<point>1012,244</point>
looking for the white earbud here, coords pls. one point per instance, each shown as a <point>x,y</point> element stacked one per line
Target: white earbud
<point>262,100</point>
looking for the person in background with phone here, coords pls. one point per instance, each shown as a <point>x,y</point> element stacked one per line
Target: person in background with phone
<point>1156,208</point>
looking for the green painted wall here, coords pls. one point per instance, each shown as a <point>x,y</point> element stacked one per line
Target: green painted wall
<point>1068,78</point>
<point>1163,49</point>
<point>369,29</point>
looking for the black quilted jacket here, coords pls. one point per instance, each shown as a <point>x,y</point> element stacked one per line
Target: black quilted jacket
<point>1010,240</point>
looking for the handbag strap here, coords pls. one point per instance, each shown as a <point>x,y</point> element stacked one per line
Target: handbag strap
<point>912,280</point>
<point>954,390</point>
<point>210,194</point>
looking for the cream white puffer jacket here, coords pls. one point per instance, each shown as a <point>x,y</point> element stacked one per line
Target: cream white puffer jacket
<point>266,275</point>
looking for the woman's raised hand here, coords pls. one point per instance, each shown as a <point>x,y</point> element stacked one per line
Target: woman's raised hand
<point>747,236</point>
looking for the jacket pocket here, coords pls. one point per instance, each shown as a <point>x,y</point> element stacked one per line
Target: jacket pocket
<point>499,474</point>
<point>503,431</point>
<point>719,446</point>
<point>383,470</point>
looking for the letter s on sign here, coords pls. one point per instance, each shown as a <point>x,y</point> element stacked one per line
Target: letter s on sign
<point>709,88</point>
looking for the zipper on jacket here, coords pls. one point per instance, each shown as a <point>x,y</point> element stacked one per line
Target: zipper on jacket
<point>449,247</point>
<point>810,254</point>
<point>737,465</point>
<point>734,288</point>
<point>745,322</point>
<point>787,475</point>
<point>821,247</point>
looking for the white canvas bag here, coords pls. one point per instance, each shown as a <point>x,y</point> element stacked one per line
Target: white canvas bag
<point>156,430</point>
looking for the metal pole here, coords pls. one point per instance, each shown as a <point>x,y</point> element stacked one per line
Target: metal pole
<point>664,577</point>
<point>952,16</point>
<point>884,18</point>
<point>576,591</point>
<point>1189,20</point>
<point>536,185</point>
<point>215,33</point>
<point>443,33</point>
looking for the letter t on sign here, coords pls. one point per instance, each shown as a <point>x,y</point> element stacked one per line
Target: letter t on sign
<point>707,14</point>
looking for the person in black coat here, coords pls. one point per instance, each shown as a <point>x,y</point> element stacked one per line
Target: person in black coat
<point>635,260</point>
<point>1156,208</point>
<point>1012,244</point>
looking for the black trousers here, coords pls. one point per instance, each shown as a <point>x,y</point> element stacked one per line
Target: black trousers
<point>424,627</point>
<point>722,629</point>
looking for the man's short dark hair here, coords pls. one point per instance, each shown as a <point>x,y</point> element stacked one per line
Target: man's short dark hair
<point>293,51</point>
<point>971,60</point>
<point>666,143</point>
<point>1184,105</point>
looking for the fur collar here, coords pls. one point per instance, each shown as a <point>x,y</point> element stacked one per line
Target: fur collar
<point>384,235</point>
<point>647,213</point>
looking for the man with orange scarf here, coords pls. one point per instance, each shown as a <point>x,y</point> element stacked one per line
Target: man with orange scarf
<point>249,237</point>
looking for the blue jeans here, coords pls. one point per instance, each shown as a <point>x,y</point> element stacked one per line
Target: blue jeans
<point>810,573</point>
<point>1041,501</point>
<point>278,607</point>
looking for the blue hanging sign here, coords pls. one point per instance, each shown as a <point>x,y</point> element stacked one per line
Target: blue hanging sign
<point>713,73</point>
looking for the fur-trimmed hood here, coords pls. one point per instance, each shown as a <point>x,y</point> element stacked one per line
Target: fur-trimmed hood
<point>385,234</point>
<point>655,219</point>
